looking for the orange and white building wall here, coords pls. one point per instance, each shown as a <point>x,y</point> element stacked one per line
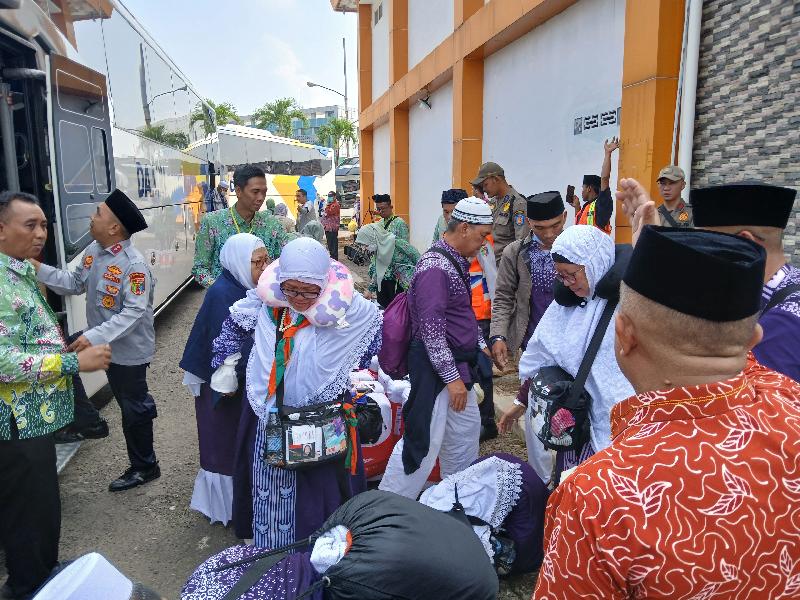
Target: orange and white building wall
<point>534,85</point>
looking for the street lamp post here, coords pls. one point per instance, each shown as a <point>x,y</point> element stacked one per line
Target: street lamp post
<point>180,89</point>
<point>346,111</point>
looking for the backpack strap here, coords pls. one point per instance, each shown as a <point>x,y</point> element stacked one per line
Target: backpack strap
<point>388,222</point>
<point>665,213</point>
<point>261,563</point>
<point>591,351</point>
<point>781,295</point>
<point>457,267</point>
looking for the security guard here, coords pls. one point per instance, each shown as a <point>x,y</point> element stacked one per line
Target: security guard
<point>509,210</point>
<point>119,311</point>
<point>674,212</point>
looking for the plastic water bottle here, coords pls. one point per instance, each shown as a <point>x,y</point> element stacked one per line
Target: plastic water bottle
<point>274,454</point>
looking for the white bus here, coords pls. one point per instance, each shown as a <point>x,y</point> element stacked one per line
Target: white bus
<point>91,102</point>
<point>289,164</point>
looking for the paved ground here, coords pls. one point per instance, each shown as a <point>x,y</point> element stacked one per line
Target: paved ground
<point>149,532</point>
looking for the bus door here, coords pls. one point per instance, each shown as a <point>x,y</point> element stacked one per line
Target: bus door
<point>84,161</point>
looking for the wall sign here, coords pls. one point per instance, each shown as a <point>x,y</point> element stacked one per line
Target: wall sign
<point>603,119</point>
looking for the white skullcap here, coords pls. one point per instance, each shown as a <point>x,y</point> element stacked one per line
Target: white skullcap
<point>472,210</point>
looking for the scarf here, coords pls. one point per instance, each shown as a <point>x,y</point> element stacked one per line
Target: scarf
<point>379,240</point>
<point>235,256</point>
<point>282,319</point>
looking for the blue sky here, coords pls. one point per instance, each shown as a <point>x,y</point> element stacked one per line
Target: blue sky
<point>249,52</point>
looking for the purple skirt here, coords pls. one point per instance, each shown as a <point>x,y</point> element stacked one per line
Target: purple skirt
<point>216,431</point>
<point>285,581</point>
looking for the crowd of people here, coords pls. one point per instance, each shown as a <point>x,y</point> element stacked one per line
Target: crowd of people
<point>659,380</point>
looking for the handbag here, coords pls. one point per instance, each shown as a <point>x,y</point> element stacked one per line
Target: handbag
<point>560,404</point>
<point>298,437</point>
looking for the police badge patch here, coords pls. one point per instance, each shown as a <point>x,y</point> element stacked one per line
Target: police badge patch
<point>87,261</point>
<point>683,217</point>
<point>108,301</point>
<point>137,283</point>
<point>519,218</point>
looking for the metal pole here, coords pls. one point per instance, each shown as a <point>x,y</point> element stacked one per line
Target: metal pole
<point>346,112</point>
<point>9,143</point>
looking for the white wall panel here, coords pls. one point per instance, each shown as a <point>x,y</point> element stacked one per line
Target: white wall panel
<point>380,156</point>
<point>536,88</point>
<point>429,24</point>
<point>380,49</point>
<point>430,162</point>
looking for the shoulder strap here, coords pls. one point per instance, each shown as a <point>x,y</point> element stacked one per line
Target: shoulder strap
<point>665,213</point>
<point>252,575</point>
<point>278,338</point>
<point>388,222</point>
<point>591,351</point>
<point>781,295</point>
<point>464,278</point>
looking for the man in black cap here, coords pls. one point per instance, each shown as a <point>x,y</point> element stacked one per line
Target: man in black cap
<point>525,287</point>
<point>698,492</point>
<point>119,311</point>
<point>449,200</point>
<point>508,209</point>
<point>760,212</point>
<point>598,206</point>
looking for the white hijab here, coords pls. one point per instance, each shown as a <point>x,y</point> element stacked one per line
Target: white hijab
<point>563,334</point>
<point>379,240</point>
<point>236,254</point>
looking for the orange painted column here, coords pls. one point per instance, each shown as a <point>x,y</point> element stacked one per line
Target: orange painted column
<point>464,9</point>
<point>398,116</point>
<point>651,65</point>
<point>467,121</point>
<point>367,188</point>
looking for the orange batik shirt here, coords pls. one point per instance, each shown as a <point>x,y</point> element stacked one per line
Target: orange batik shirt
<point>698,496</point>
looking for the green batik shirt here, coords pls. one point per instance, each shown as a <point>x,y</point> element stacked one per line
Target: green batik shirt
<point>218,226</point>
<point>401,269</point>
<point>35,368</point>
<point>399,228</point>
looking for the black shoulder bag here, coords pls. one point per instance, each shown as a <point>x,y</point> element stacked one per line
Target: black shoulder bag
<point>559,404</point>
<point>781,295</point>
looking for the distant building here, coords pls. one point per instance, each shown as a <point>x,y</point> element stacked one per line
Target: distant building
<point>317,117</point>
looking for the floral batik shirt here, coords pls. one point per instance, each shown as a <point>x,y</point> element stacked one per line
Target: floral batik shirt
<point>215,230</point>
<point>779,349</point>
<point>35,368</point>
<point>398,227</point>
<point>698,496</point>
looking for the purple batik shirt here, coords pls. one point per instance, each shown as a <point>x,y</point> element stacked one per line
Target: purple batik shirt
<point>778,349</point>
<point>543,274</point>
<point>441,312</point>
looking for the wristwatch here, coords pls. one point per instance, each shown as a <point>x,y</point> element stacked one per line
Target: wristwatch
<point>494,338</point>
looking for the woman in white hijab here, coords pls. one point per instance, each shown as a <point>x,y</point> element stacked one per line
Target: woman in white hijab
<point>590,271</point>
<point>243,259</point>
<point>327,329</point>
<point>392,259</point>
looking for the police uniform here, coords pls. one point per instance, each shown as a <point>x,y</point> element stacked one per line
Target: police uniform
<point>680,216</point>
<point>508,212</point>
<point>119,311</point>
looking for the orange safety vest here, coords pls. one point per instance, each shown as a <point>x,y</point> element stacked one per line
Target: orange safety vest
<point>481,304</point>
<point>586,217</point>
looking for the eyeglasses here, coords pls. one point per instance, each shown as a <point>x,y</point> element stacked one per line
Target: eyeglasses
<point>296,294</point>
<point>261,262</point>
<point>569,277</point>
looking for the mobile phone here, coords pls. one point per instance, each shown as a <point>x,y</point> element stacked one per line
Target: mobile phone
<point>570,193</point>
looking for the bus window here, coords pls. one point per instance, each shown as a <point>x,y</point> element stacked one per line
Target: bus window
<point>76,166</point>
<point>100,157</point>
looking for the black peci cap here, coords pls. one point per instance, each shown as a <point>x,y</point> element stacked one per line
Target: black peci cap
<point>704,274</point>
<point>741,204</point>
<point>591,180</point>
<point>126,211</point>
<point>379,198</point>
<point>453,196</point>
<point>544,206</point>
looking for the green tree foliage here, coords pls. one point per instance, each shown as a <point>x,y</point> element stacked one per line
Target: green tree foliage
<point>279,114</point>
<point>160,134</point>
<point>335,133</point>
<point>224,112</point>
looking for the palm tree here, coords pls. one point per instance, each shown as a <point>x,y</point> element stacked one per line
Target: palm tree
<point>224,113</point>
<point>336,132</point>
<point>159,133</point>
<point>279,114</point>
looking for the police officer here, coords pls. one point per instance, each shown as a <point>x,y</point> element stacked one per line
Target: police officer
<point>119,311</point>
<point>674,212</point>
<point>509,210</point>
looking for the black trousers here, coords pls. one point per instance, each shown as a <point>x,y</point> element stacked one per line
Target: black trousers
<point>129,384</point>
<point>487,384</point>
<point>332,237</point>
<point>30,518</point>
<point>388,290</point>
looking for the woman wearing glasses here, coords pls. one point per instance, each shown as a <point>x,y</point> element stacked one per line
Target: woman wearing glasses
<point>588,272</point>
<point>243,258</point>
<point>311,328</point>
